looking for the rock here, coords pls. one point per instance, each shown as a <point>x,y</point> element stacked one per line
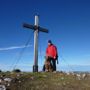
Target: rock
<point>0,80</point>
<point>7,79</point>
<point>2,87</point>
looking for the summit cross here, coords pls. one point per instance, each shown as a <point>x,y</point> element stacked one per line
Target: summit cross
<point>36,29</point>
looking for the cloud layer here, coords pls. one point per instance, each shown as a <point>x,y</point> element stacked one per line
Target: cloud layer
<point>14,47</point>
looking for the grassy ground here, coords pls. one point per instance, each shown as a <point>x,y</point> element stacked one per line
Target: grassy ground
<point>47,81</point>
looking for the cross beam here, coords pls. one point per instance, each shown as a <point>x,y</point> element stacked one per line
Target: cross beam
<point>36,29</point>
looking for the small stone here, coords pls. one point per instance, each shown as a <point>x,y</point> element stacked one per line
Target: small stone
<point>45,76</point>
<point>62,78</point>
<point>8,84</point>
<point>19,81</point>
<point>32,78</point>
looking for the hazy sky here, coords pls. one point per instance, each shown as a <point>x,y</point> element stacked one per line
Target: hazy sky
<point>67,20</point>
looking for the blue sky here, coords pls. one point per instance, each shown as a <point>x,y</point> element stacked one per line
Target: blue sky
<point>67,20</point>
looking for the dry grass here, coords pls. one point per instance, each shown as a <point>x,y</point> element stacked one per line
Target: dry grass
<point>47,81</point>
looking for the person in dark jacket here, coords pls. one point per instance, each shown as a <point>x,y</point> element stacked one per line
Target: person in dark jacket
<point>51,54</point>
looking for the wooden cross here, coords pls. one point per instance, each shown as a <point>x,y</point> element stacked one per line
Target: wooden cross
<point>36,29</point>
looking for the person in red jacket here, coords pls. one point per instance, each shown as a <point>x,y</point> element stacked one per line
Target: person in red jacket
<point>51,54</point>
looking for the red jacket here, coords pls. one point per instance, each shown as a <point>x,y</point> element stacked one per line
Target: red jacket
<point>51,51</point>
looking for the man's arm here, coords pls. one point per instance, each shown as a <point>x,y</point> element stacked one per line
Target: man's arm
<point>56,53</point>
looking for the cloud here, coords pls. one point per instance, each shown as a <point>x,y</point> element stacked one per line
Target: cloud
<point>14,47</point>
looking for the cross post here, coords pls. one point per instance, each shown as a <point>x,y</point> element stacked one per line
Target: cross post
<point>36,29</point>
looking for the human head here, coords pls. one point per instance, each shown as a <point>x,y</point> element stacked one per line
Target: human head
<point>49,42</point>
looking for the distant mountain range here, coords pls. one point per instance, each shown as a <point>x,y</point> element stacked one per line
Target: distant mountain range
<point>67,68</point>
<point>83,68</point>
